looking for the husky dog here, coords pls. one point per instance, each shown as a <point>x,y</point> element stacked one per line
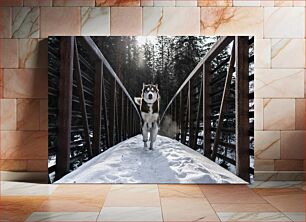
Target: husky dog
<point>149,107</point>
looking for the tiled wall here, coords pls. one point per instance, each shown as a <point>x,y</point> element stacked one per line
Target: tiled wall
<point>279,27</point>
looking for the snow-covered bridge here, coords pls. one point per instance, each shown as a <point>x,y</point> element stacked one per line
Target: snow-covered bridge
<point>169,162</point>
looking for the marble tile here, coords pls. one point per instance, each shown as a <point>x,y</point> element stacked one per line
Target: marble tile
<point>9,53</point>
<point>273,83</point>
<point>299,3</point>
<point>267,145</point>
<point>300,114</point>
<point>187,209</point>
<point>13,165</point>
<point>188,191</point>
<point>1,83</point>
<point>230,194</point>
<point>278,19</point>
<point>33,53</point>
<point>279,114</point>
<point>5,22</point>
<point>37,165</point>
<point>67,3</point>
<point>277,184</point>
<point>253,216</point>
<point>263,165</point>
<point>130,214</point>
<point>232,21</point>
<point>25,83</point>
<point>289,165</point>
<point>63,216</point>
<point>219,3</point>
<point>267,3</point>
<point>162,3</point>
<point>264,207</point>
<point>133,196</point>
<point>262,55</point>
<point>18,208</point>
<point>186,3</point>
<point>295,216</point>
<point>8,114</point>
<point>160,21</point>
<point>95,21</point>
<point>37,2</point>
<point>279,175</point>
<point>279,3</point>
<point>5,3</point>
<point>282,51</point>
<point>246,3</point>
<point>22,145</point>
<point>43,114</point>
<point>258,114</point>
<point>9,188</point>
<point>126,20</point>
<point>146,3</point>
<point>292,145</point>
<point>25,22</point>
<point>52,16</point>
<point>118,3</point>
<point>27,114</point>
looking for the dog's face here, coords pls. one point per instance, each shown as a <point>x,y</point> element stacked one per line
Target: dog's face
<point>150,93</point>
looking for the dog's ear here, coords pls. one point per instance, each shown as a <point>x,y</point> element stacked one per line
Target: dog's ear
<point>137,100</point>
<point>156,86</point>
<point>143,85</point>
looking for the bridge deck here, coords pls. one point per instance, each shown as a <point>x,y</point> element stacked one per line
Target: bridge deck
<point>169,162</point>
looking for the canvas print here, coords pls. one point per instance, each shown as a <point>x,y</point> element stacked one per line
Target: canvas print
<point>146,109</point>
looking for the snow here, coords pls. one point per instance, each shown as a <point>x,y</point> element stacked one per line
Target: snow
<point>169,162</point>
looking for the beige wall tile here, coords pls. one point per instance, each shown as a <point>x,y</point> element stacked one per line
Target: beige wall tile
<point>95,21</point>
<point>262,53</point>
<point>289,165</point>
<point>266,2</point>
<point>146,2</point>
<point>283,3</point>
<point>267,145</point>
<point>37,2</point>
<point>13,165</point>
<point>126,20</point>
<point>4,3</point>
<point>232,21</point>
<point>215,3</point>
<point>288,53</point>
<point>23,144</point>
<point>8,114</point>
<point>1,83</point>
<point>277,83</point>
<point>292,145</point>
<point>5,22</point>
<point>186,3</point>
<point>300,114</point>
<point>117,2</point>
<point>25,83</point>
<point>162,3</point>
<point>33,53</point>
<point>43,114</point>
<point>279,114</point>
<point>246,3</point>
<point>278,22</point>
<point>28,114</point>
<point>159,21</point>
<point>37,165</point>
<point>264,165</point>
<point>300,3</point>
<point>8,53</point>
<point>25,22</point>
<point>51,17</point>
<point>258,114</point>
<point>73,2</point>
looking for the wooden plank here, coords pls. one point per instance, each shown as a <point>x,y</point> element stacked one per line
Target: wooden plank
<point>242,107</point>
<point>207,109</point>
<point>227,84</point>
<point>97,107</point>
<point>64,106</point>
<point>82,99</point>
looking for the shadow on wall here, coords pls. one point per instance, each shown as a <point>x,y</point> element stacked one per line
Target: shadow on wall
<point>168,127</point>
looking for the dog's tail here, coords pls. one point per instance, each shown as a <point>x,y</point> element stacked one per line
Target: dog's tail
<point>137,100</point>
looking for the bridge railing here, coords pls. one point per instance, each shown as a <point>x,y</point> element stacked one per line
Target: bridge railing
<point>214,107</point>
<point>90,110</point>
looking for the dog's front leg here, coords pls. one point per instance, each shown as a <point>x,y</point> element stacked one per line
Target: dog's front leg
<point>145,133</point>
<point>153,134</point>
